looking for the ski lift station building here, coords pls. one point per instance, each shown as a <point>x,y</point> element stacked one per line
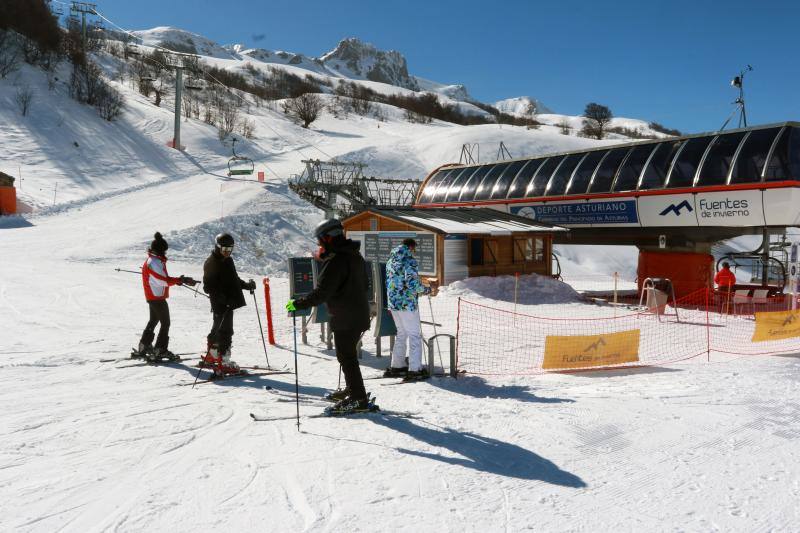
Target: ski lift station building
<point>672,198</point>
<point>456,243</point>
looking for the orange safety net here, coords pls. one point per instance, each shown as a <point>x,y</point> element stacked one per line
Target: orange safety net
<point>494,341</point>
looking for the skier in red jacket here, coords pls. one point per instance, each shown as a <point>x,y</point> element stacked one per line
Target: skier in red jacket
<point>156,282</point>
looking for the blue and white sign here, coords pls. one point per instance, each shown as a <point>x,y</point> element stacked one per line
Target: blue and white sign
<point>597,212</point>
<point>669,210</point>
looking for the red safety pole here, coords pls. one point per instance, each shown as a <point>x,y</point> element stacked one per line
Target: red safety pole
<point>268,305</point>
<point>708,326</point>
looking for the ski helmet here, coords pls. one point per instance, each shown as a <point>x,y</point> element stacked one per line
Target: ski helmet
<point>328,228</point>
<point>159,245</point>
<point>224,240</point>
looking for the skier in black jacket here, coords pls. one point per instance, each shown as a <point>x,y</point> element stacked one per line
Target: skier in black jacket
<point>343,285</point>
<point>224,287</point>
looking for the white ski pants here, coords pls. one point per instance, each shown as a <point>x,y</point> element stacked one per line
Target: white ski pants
<point>408,332</point>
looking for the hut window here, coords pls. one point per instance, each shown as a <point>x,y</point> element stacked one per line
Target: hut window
<point>528,249</point>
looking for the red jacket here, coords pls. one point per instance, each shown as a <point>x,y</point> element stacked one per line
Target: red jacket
<point>725,278</point>
<point>155,280</point>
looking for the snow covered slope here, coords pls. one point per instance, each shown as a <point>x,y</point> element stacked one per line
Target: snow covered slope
<point>89,445</point>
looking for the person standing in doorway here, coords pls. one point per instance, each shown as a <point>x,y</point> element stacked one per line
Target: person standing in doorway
<point>725,279</point>
<point>224,288</point>
<point>403,288</point>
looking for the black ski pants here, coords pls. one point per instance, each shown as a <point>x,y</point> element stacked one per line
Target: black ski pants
<point>346,353</point>
<point>159,312</point>
<point>221,333</point>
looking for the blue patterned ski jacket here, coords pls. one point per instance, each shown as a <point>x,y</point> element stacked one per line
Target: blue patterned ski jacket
<point>402,280</point>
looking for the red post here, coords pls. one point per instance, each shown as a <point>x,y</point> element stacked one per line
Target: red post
<point>268,305</point>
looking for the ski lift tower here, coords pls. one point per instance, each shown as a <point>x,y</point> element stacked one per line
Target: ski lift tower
<point>178,62</point>
<point>84,9</point>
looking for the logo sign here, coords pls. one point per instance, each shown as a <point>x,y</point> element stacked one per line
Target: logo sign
<point>574,213</point>
<point>677,209</point>
<point>733,208</point>
<point>776,325</point>
<point>587,351</point>
<point>667,210</point>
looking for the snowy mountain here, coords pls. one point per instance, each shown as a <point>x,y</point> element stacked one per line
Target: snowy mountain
<point>521,106</point>
<point>357,59</point>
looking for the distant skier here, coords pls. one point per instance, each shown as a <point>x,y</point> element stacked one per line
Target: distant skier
<point>224,287</point>
<point>156,282</point>
<point>343,286</point>
<point>403,288</point>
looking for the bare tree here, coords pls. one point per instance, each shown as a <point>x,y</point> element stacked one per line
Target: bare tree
<point>9,54</point>
<point>247,128</point>
<point>109,102</point>
<point>23,98</point>
<point>596,120</point>
<point>564,127</point>
<point>228,116</point>
<point>306,108</point>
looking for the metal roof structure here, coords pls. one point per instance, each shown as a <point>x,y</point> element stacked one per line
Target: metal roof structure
<point>759,154</point>
<point>466,220</point>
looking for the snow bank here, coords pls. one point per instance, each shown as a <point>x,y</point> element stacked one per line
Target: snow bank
<point>533,289</point>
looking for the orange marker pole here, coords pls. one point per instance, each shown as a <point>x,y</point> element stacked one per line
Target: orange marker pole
<point>268,305</point>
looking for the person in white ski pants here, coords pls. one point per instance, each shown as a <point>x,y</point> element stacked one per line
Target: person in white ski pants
<point>408,331</point>
<point>403,288</point>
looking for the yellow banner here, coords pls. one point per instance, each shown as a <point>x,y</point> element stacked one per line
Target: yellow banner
<point>586,351</point>
<point>776,325</point>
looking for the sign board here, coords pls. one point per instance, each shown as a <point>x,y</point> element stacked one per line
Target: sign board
<point>455,258</point>
<point>776,325</point>
<point>780,206</point>
<point>668,210</point>
<point>607,212</point>
<point>376,246</point>
<point>586,351</point>
<point>320,315</point>
<point>301,279</point>
<point>731,208</point>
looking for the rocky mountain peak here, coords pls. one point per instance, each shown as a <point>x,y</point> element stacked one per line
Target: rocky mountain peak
<point>356,58</point>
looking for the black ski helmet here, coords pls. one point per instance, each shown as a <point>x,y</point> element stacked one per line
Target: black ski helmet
<point>159,245</point>
<point>224,240</point>
<point>328,228</point>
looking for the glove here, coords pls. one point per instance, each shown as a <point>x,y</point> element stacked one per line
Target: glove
<point>251,285</point>
<point>190,282</point>
<point>181,280</point>
<point>290,306</point>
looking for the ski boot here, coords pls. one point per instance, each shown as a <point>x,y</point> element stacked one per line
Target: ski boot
<point>142,352</point>
<point>416,375</point>
<point>392,372</point>
<point>337,395</point>
<point>350,406</point>
<point>162,354</point>
<point>211,358</point>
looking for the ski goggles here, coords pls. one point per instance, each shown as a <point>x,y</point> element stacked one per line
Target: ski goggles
<point>226,249</point>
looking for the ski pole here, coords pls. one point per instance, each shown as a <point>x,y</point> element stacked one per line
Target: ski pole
<point>435,334</point>
<point>264,342</point>
<point>296,382</point>
<point>339,385</point>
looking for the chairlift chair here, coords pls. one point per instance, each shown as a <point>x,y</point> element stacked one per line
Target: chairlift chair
<point>194,84</point>
<point>239,165</point>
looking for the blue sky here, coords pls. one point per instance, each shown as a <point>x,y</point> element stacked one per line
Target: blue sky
<point>668,61</point>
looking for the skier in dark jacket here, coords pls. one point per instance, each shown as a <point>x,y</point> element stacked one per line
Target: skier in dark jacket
<point>224,287</point>
<point>343,286</point>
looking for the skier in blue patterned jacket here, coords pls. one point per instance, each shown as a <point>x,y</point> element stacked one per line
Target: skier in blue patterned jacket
<point>403,288</point>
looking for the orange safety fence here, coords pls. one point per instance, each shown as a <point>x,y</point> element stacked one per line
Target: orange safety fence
<point>494,341</point>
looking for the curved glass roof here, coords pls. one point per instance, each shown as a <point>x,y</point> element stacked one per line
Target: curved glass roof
<point>747,155</point>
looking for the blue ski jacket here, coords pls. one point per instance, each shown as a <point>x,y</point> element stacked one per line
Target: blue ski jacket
<point>402,280</point>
